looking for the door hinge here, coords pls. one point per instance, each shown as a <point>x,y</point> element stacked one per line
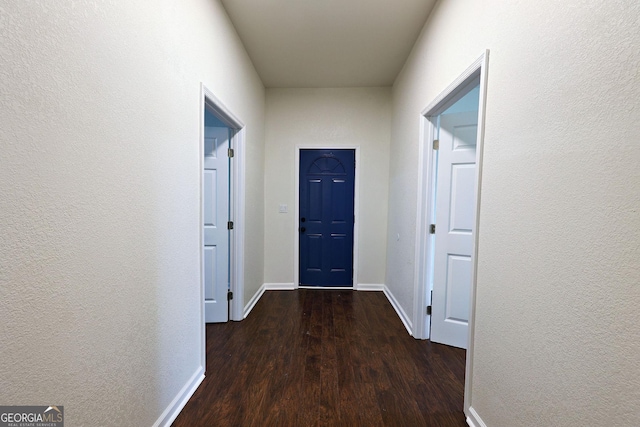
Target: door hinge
<point>428,310</point>
<point>230,225</point>
<point>436,144</point>
<point>229,296</point>
<point>432,229</point>
<point>230,152</point>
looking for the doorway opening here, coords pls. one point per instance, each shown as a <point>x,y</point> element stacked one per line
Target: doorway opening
<point>440,265</point>
<point>453,212</point>
<point>221,212</point>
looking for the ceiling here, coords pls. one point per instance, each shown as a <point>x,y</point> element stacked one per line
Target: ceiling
<point>328,43</point>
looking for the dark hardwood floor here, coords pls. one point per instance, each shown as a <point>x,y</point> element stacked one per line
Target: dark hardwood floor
<point>325,358</point>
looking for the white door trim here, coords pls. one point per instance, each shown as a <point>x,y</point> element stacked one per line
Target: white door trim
<point>237,205</point>
<point>424,241</point>
<point>356,209</point>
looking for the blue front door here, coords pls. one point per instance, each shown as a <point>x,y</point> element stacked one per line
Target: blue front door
<point>326,217</point>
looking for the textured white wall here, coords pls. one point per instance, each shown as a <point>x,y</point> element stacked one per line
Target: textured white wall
<point>326,117</point>
<point>99,213</point>
<point>557,339</point>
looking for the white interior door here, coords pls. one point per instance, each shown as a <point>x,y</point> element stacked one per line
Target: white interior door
<point>455,220</point>
<point>216,216</point>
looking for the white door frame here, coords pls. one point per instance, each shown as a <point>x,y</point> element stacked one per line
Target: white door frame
<point>426,179</point>
<point>356,210</point>
<point>236,204</point>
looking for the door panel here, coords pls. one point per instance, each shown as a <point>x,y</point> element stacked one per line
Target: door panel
<point>327,179</point>
<point>338,195</point>
<point>461,217</point>
<point>314,252</point>
<point>209,272</point>
<point>210,197</point>
<point>315,201</point>
<point>457,297</point>
<point>455,220</point>
<point>216,214</point>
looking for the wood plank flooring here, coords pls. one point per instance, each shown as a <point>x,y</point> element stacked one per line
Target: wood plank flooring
<point>325,358</point>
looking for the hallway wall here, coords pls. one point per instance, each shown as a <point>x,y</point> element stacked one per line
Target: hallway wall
<point>100,211</point>
<point>556,331</point>
<point>326,117</point>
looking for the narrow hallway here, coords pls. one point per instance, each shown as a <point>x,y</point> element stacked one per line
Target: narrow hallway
<point>314,357</point>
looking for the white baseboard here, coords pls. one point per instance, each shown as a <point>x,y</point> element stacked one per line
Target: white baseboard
<point>253,301</point>
<point>473,419</point>
<point>175,407</point>
<point>403,316</point>
<point>369,287</point>
<point>279,286</point>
